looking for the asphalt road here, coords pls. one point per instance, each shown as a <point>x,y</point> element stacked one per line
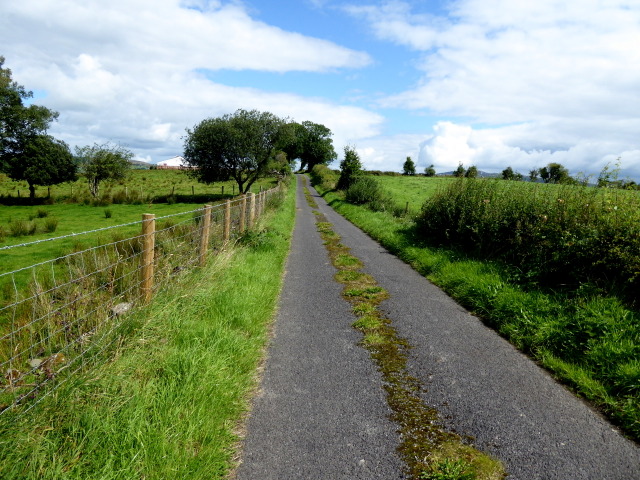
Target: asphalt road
<point>321,411</point>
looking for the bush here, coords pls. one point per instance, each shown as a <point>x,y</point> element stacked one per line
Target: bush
<point>560,236</point>
<point>21,228</point>
<point>50,225</point>
<point>324,177</point>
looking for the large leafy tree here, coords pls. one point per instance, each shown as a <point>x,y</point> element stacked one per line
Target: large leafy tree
<point>42,161</point>
<point>100,163</point>
<point>238,146</point>
<point>20,125</point>
<point>310,142</point>
<point>555,173</point>
<point>409,167</point>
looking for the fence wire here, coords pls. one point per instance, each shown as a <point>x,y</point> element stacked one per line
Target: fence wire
<point>56,315</point>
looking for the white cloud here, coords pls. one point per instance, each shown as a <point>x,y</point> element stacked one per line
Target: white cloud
<point>535,81</point>
<point>126,71</point>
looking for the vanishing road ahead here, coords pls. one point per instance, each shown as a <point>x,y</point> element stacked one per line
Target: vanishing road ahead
<point>321,411</point>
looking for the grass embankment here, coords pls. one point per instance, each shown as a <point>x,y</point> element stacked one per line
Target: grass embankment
<point>166,400</point>
<point>588,338</point>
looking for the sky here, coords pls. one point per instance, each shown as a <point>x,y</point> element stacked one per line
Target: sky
<point>490,83</point>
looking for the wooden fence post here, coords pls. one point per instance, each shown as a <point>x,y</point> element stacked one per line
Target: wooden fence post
<point>227,220</point>
<point>252,209</point>
<point>243,213</point>
<point>204,237</point>
<point>146,260</point>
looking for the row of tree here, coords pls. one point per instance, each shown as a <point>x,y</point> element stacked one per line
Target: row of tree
<point>551,173</point>
<point>28,153</point>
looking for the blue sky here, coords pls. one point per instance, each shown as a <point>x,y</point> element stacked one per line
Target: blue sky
<point>490,83</point>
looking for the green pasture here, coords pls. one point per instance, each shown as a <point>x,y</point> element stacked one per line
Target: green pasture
<point>412,190</point>
<point>143,185</point>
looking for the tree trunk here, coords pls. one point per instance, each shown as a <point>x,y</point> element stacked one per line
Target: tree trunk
<point>32,192</point>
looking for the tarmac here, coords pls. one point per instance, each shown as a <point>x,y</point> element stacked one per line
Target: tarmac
<point>321,411</point>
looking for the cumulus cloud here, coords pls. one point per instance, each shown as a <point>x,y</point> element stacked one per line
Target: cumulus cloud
<point>128,71</point>
<point>533,81</point>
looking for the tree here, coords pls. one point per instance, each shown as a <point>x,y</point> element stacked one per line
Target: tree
<point>350,168</point>
<point>555,173</point>
<point>508,174</point>
<point>409,168</point>
<point>43,161</point>
<point>534,174</point>
<point>430,171</point>
<point>308,141</point>
<point>459,172</point>
<point>472,172</point>
<point>103,162</point>
<point>238,146</point>
<point>19,124</point>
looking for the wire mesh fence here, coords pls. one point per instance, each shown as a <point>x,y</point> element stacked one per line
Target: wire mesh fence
<point>55,316</point>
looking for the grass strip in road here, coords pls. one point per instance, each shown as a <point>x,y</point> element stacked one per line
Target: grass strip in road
<point>167,399</point>
<point>429,451</point>
<point>586,341</point>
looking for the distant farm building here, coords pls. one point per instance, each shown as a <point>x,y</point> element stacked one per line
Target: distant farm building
<point>174,163</point>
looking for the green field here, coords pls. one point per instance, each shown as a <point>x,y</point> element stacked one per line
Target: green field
<point>141,185</point>
<point>80,212</point>
<point>412,190</point>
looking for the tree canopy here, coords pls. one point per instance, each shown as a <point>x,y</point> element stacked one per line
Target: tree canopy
<point>26,151</point>
<point>555,173</point>
<point>409,167</point>
<point>310,142</point>
<point>238,146</point>
<point>459,172</point>
<point>103,162</point>
<point>43,161</point>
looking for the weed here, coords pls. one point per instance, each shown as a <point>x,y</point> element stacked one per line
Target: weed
<point>41,213</point>
<point>449,469</point>
<point>108,213</point>
<point>50,225</point>
<point>21,228</point>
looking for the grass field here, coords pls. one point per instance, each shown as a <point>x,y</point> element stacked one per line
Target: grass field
<point>412,190</point>
<point>167,399</point>
<point>141,185</point>
<point>586,335</point>
<point>84,213</point>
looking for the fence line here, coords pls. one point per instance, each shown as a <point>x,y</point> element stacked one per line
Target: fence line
<point>57,314</point>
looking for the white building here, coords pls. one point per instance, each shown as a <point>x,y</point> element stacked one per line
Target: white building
<point>173,163</point>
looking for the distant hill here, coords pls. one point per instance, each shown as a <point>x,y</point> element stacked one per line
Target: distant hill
<point>139,164</point>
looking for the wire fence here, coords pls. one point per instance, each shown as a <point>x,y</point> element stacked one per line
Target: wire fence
<point>55,316</point>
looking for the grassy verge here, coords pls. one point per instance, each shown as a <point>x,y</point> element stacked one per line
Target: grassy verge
<point>549,326</point>
<point>165,400</point>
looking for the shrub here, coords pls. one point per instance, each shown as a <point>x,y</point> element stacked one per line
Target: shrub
<point>108,213</point>
<point>21,228</point>
<point>50,225</point>
<point>556,235</point>
<point>350,168</point>
<point>324,177</point>
<point>42,213</point>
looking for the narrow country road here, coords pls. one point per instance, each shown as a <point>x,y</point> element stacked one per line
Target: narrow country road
<point>321,411</point>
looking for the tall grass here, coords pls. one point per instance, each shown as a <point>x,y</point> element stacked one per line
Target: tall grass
<point>165,400</point>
